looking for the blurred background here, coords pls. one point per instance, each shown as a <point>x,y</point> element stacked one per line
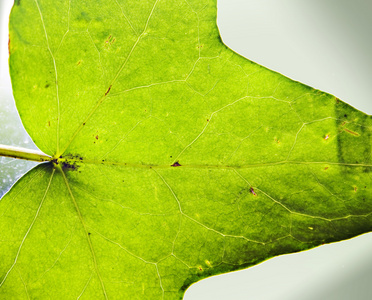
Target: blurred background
<point>323,43</point>
<point>12,132</point>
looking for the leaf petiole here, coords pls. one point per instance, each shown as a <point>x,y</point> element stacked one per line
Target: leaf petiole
<point>23,153</point>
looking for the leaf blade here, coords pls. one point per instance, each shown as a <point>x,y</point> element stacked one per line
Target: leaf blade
<point>224,122</point>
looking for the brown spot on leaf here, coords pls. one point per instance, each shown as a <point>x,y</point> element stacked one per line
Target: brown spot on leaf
<point>176,164</point>
<point>109,41</point>
<point>96,137</point>
<point>251,190</point>
<point>351,132</point>
<point>108,90</point>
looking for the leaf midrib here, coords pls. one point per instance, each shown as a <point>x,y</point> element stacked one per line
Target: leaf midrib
<point>77,162</point>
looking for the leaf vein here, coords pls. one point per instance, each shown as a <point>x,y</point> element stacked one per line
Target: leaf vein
<point>29,229</point>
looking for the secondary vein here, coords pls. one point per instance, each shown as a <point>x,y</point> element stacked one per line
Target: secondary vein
<point>103,97</point>
<point>85,231</point>
<point>28,230</point>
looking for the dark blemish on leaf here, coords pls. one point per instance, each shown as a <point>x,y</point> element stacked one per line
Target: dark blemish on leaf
<point>326,137</point>
<point>103,160</point>
<point>109,41</point>
<point>326,168</point>
<point>344,140</point>
<point>251,190</point>
<point>108,90</point>
<point>89,233</point>
<point>184,287</point>
<point>176,164</point>
<point>96,137</point>
<point>170,156</point>
<point>351,132</point>
<point>84,17</point>
<point>67,166</point>
<point>78,63</point>
<point>47,85</point>
<point>355,189</point>
<point>17,2</point>
<point>49,123</point>
<point>80,158</point>
<point>84,124</point>
<point>207,120</point>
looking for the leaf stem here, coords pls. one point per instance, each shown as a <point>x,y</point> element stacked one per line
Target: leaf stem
<point>23,153</point>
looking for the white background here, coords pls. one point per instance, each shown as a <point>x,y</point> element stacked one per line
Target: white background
<point>323,43</point>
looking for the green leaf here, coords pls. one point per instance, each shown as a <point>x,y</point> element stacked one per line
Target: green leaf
<point>174,158</point>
